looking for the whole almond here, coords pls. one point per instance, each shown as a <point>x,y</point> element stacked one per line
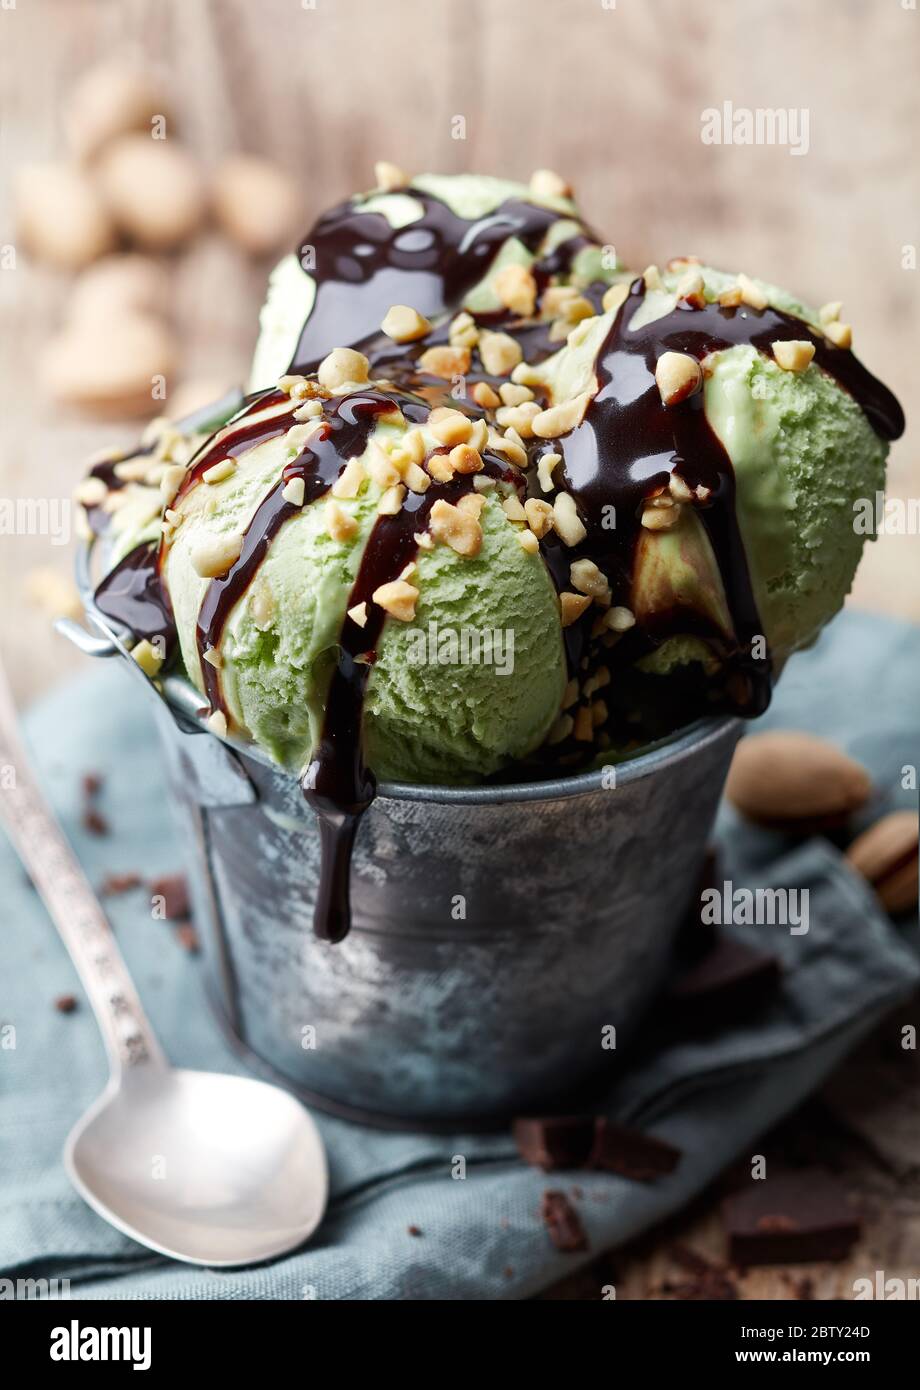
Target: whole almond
<point>60,217</point>
<point>110,368</point>
<point>794,780</point>
<point>886,856</point>
<point>153,190</point>
<point>256,203</point>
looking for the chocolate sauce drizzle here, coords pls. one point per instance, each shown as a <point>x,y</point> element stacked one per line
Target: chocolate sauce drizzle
<point>626,449</point>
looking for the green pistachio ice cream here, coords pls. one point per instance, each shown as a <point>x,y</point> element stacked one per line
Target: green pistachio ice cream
<point>495,502</point>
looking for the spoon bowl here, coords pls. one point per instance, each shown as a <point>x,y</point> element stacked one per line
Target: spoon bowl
<point>201,1166</point>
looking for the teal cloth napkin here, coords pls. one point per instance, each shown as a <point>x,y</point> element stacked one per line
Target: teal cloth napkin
<point>481,1236</point>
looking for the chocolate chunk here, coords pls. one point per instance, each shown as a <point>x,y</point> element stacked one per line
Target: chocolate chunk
<point>188,938</point>
<point>414,1230</point>
<point>563,1223</point>
<point>725,986</point>
<point>65,1003</point>
<point>617,1149</point>
<point>554,1141</point>
<point>173,889</point>
<point>94,821</point>
<point>790,1219</point>
<point>113,884</point>
<point>91,785</point>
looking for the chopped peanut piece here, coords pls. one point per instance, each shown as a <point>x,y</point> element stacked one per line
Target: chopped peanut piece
<point>545,470</point>
<point>455,528</point>
<point>463,331</point>
<point>513,508</point>
<point>572,606</point>
<point>840,334</point>
<point>294,491</point>
<point>398,599</point>
<point>450,426</point>
<point>213,555</point>
<point>381,469</point>
<point>512,448</point>
<point>445,362</point>
<point>516,289</point>
<point>479,435</point>
<point>529,542</point>
<point>544,183</point>
<point>588,579</point>
<point>415,478</point>
<point>213,657</point>
<point>219,472</point>
<point>91,492</point>
<point>518,417</point>
<point>340,524</point>
<point>441,468</point>
<point>614,297</point>
<point>559,419</point>
<point>540,516</point>
<point>414,445</point>
<point>465,459</point>
<point>793,355</point>
<point>358,614</point>
<point>423,540</point>
<point>677,375</point>
<point>652,277</point>
<point>391,501</point>
<point>351,479</point>
<point>389,176</point>
<point>500,353</point>
<point>404,324</point>
<point>569,525</point>
<point>731,298</point>
<point>659,518</point>
<point>584,725</point>
<point>483,395</point>
<point>690,286</point>
<point>472,503</point>
<point>217,723</point>
<point>514,395</point>
<point>148,658</point>
<point>829,312</point>
<point>343,367</point>
<point>310,410</point>
<point>751,294</point>
<point>262,603</point>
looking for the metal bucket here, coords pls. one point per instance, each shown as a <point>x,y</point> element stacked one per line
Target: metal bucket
<point>498,933</point>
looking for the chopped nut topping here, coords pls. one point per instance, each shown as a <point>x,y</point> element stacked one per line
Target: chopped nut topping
<point>656,517</point>
<point>91,492</point>
<point>569,525</point>
<point>546,184</point>
<point>793,355</point>
<point>415,478</point>
<point>483,395</point>
<point>291,384</point>
<point>679,490</point>
<point>414,445</point>
<point>508,445</point>
<point>404,324</point>
<point>132,470</point>
<point>528,541</point>
<point>599,713</point>
<point>517,290</point>
<point>751,294</point>
<point>652,277</point>
<point>570,694</point>
<point>545,470</point>
<point>212,555</point>
<point>731,298</point>
<point>831,311</point>
<point>381,469</point>
<point>584,725</point>
<point>219,472</point>
<point>147,658</point>
<point>559,419</point>
<point>479,435</point>
<point>343,367</point>
<point>340,524</point>
<point>472,503</point>
<point>217,723</point>
<point>445,362</point>
<point>677,375</point>
<point>691,287</point>
<point>450,426</point>
<point>441,468</point>
<point>213,657</point>
<point>465,459</point>
<point>540,516</point>
<point>171,481</point>
<point>456,528</point>
<point>423,540</point>
<point>588,579</point>
<point>294,492</point>
<point>298,436</point>
<point>392,500</point>
<point>389,176</point>
<point>350,480</point>
<point>840,334</point>
<point>614,297</point>
<point>310,410</point>
<point>512,395</point>
<point>555,298</point>
<point>262,603</point>
<point>572,606</point>
<point>513,508</point>
<point>561,730</point>
<point>398,599</point>
<point>463,331</point>
<point>620,619</point>
<point>358,614</point>
<point>483,483</point>
<point>518,417</point>
<point>500,353</point>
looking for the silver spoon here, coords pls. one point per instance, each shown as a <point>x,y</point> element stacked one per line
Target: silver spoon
<point>203,1167</point>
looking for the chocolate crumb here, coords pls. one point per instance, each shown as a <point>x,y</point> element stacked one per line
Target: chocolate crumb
<point>113,884</point>
<point>188,938</point>
<point>173,889</point>
<point>563,1223</point>
<point>65,1003</point>
<point>94,821</point>
<point>414,1230</point>
<point>92,784</point>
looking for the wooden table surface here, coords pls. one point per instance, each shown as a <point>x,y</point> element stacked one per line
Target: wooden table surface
<point>609,94</point>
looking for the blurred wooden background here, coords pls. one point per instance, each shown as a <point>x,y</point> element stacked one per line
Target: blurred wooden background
<point>610,95</point>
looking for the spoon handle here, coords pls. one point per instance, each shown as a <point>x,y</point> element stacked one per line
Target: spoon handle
<point>71,903</point>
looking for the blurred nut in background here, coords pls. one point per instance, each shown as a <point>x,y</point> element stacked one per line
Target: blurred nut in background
<point>108,101</point>
<point>153,190</point>
<point>60,217</point>
<point>117,285</point>
<point>109,367</point>
<point>886,856</point>
<point>256,203</point>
